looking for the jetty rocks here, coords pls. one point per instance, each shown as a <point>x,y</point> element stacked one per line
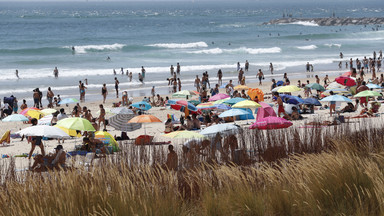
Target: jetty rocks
<point>331,21</point>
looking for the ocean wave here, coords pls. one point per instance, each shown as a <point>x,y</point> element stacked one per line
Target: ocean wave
<point>304,23</point>
<point>106,47</point>
<point>333,45</point>
<point>240,50</point>
<point>180,45</point>
<point>309,47</point>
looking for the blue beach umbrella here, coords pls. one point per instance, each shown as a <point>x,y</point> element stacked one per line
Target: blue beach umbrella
<point>373,86</point>
<point>222,107</point>
<point>234,100</point>
<point>291,99</point>
<point>233,112</point>
<point>142,105</point>
<point>311,101</point>
<point>15,118</point>
<point>337,98</point>
<point>280,83</point>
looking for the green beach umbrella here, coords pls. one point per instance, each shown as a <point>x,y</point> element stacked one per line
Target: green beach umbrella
<point>76,124</point>
<point>184,135</point>
<point>368,93</point>
<point>316,86</point>
<point>182,94</point>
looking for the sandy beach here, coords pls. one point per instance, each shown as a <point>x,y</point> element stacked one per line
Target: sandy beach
<point>17,147</point>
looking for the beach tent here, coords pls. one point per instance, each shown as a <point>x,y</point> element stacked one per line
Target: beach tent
<point>271,122</point>
<point>264,111</point>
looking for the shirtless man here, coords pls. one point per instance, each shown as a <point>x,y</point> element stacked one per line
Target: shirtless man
<point>178,68</point>
<point>102,116</point>
<point>172,159</point>
<point>117,87</point>
<point>56,72</point>
<point>50,96</point>
<point>260,75</point>
<point>240,76</point>
<point>317,79</point>
<point>280,105</point>
<point>141,78</point>
<point>196,122</point>
<point>271,67</point>
<point>172,69</point>
<point>197,83</point>
<point>130,76</point>
<point>104,92</point>
<point>326,80</point>
<point>220,76</point>
<point>229,87</point>
<point>246,66</point>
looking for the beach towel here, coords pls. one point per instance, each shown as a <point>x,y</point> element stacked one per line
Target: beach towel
<point>6,138</point>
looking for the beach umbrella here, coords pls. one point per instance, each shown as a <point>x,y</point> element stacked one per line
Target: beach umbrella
<point>46,120</point>
<point>337,98</point>
<point>184,135</point>
<point>246,104</point>
<point>48,111</point>
<point>241,87</point>
<point>233,112</point>
<point>206,106</point>
<point>68,101</point>
<point>264,111</point>
<point>122,110</point>
<point>107,139</point>
<point>37,114</point>
<point>194,102</point>
<point>15,118</point>
<point>280,83</point>
<point>345,81</point>
<point>277,88</point>
<point>234,100</point>
<point>143,105</point>
<point>220,128</point>
<point>368,93</point>
<point>178,104</point>
<point>311,101</point>
<point>44,131</point>
<point>373,86</point>
<point>221,101</point>
<point>336,91</point>
<point>183,94</point>
<point>334,85</point>
<point>24,111</point>
<point>144,119</point>
<point>290,88</point>
<point>76,123</point>
<point>291,99</point>
<point>120,122</point>
<point>316,86</point>
<point>70,132</point>
<point>347,74</point>
<point>255,92</point>
<point>271,122</point>
<point>222,107</point>
<point>219,96</point>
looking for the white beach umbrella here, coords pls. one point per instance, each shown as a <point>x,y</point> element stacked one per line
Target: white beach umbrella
<point>44,131</point>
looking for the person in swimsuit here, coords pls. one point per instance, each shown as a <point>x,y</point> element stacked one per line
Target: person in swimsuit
<point>102,116</point>
<point>104,92</point>
<point>117,87</point>
<point>35,141</point>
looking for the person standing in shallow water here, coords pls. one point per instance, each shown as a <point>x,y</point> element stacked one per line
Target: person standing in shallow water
<point>271,67</point>
<point>104,92</point>
<point>56,72</point>
<point>17,74</point>
<point>220,76</point>
<point>117,87</point>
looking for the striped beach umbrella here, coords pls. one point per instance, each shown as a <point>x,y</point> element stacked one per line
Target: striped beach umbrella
<point>120,122</point>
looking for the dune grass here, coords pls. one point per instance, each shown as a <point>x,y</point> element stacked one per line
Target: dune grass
<point>341,172</point>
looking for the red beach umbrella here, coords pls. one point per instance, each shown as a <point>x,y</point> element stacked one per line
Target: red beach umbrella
<point>345,81</point>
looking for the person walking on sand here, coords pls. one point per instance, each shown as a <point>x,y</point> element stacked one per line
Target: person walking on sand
<point>317,79</point>
<point>102,116</point>
<point>260,75</point>
<point>50,96</point>
<point>35,141</point>
<point>117,87</point>
<point>104,92</point>
<point>326,80</point>
<point>220,76</point>
<point>280,104</point>
<point>271,67</point>
<point>17,74</point>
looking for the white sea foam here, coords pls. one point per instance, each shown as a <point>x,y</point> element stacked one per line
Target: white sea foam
<point>86,48</point>
<point>180,45</point>
<point>309,47</point>
<point>333,45</point>
<point>304,23</point>
<point>240,50</point>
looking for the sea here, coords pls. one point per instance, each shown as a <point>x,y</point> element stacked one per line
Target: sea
<point>36,37</point>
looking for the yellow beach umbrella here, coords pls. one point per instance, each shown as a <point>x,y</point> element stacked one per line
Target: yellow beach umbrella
<point>241,87</point>
<point>37,114</point>
<point>290,88</point>
<point>70,132</point>
<point>246,104</point>
<point>48,111</point>
<point>111,140</point>
<point>184,135</point>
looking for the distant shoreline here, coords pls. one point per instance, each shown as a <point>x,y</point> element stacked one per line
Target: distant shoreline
<point>330,21</point>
